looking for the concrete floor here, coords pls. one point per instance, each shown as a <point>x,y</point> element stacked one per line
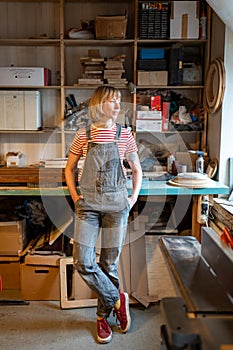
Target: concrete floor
<point>44,325</point>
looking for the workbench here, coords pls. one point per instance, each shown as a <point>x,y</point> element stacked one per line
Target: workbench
<point>134,257</point>
<point>148,188</point>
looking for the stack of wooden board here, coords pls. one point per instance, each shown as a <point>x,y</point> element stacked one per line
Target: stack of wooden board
<point>221,219</point>
<point>114,71</point>
<point>93,67</point>
<point>31,176</point>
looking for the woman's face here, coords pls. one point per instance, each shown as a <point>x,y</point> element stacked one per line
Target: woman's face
<point>111,107</point>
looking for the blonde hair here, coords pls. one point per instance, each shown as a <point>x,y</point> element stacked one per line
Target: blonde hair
<point>100,95</point>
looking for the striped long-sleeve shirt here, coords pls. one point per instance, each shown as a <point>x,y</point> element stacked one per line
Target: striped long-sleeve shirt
<point>126,143</point>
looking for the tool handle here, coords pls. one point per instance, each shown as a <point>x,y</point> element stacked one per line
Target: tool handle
<point>68,99</point>
<point>73,100</point>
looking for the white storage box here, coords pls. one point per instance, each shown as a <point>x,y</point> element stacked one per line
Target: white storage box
<point>184,22</point>
<point>25,76</point>
<point>20,110</point>
<point>149,125</point>
<point>16,160</point>
<point>149,115</point>
<point>55,163</point>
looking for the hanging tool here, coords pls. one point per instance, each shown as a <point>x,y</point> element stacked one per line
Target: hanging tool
<point>73,100</point>
<point>227,237</point>
<point>72,106</point>
<point>68,99</point>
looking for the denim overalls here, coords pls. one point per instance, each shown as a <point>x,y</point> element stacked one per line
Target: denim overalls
<point>104,207</point>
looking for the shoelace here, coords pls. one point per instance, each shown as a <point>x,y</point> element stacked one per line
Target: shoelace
<point>103,324</point>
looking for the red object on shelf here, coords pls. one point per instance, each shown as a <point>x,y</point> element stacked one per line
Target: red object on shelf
<point>155,103</point>
<point>227,237</point>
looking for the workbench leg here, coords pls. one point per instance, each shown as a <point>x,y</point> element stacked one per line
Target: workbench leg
<point>196,227</point>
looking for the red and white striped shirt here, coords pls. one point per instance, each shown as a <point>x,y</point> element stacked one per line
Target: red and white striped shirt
<point>126,143</point>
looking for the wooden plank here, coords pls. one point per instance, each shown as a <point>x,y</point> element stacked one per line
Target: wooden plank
<point>31,175</point>
<point>196,227</point>
<point>145,300</point>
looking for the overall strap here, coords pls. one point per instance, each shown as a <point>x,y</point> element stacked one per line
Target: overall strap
<point>118,132</point>
<point>88,133</point>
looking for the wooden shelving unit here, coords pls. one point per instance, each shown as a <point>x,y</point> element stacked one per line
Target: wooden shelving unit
<point>33,34</point>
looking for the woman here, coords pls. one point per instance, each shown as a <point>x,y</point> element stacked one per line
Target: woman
<point>103,204</point>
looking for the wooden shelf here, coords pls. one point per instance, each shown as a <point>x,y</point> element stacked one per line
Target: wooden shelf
<point>26,87</point>
<point>94,86</point>
<point>95,42</point>
<point>171,87</point>
<point>34,33</point>
<point>29,42</point>
<point>172,41</point>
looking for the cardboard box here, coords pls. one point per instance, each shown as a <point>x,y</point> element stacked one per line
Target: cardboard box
<point>25,76</point>
<point>11,237</point>
<point>110,27</point>
<point>184,22</point>
<point>148,78</point>
<point>40,277</point>
<point>20,110</point>
<point>154,115</point>
<point>10,272</point>
<point>148,125</point>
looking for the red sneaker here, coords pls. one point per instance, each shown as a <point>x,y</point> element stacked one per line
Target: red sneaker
<point>104,332</point>
<point>122,315</point>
